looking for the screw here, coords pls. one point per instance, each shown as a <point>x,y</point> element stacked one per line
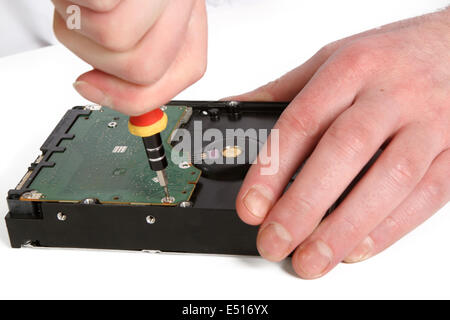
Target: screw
<point>186,204</point>
<point>32,195</point>
<point>184,165</point>
<point>168,200</point>
<point>112,124</point>
<point>214,114</point>
<point>89,201</point>
<point>27,195</point>
<point>61,216</point>
<point>150,219</point>
<point>93,107</point>
<point>28,244</point>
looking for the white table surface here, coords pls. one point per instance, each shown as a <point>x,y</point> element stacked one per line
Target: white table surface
<point>251,42</point>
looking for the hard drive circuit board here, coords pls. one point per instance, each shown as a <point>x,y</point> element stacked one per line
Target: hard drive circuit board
<point>105,163</point>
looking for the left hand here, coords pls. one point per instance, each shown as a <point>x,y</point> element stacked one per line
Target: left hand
<point>389,84</point>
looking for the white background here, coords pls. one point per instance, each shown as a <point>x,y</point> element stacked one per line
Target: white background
<point>25,25</point>
<point>251,42</point>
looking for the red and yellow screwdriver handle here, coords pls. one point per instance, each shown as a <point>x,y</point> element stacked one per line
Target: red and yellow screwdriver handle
<point>148,124</point>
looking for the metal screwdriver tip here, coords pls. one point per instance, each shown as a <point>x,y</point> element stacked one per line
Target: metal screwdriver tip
<point>166,191</point>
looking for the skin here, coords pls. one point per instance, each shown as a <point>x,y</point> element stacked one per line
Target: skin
<point>391,84</point>
<point>140,63</point>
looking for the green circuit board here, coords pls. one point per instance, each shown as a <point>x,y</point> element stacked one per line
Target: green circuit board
<point>105,162</point>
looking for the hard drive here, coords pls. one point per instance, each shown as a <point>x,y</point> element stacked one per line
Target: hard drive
<point>91,186</point>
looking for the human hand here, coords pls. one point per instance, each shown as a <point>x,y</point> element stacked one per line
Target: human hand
<point>389,84</point>
<point>143,52</point>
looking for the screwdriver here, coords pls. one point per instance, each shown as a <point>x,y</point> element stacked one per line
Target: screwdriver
<point>149,127</point>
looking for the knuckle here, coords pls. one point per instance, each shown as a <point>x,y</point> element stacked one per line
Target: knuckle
<point>328,49</point>
<point>436,190</point>
<point>302,204</point>
<point>272,87</point>
<point>298,206</point>
<point>392,224</point>
<point>349,139</point>
<point>352,226</point>
<point>114,36</point>
<point>302,124</point>
<point>403,171</point>
<point>357,56</point>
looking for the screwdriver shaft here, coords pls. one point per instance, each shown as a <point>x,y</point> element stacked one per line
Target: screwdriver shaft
<point>157,159</point>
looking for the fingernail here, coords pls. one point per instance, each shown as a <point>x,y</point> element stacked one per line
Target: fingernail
<point>92,93</point>
<point>314,259</point>
<point>274,242</point>
<point>361,252</point>
<point>258,201</point>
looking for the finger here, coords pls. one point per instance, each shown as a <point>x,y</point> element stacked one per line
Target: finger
<point>431,194</point>
<point>131,99</point>
<point>147,62</point>
<point>97,5</point>
<point>340,155</point>
<point>331,91</point>
<point>114,30</point>
<point>390,180</point>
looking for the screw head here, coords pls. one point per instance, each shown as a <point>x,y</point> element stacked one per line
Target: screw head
<point>186,204</point>
<point>88,201</point>
<point>184,165</point>
<point>61,216</point>
<point>168,200</point>
<point>32,195</point>
<point>112,124</point>
<point>150,219</point>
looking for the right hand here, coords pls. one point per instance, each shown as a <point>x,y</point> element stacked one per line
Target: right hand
<point>143,52</point>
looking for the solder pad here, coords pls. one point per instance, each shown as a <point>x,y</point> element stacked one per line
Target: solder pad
<point>103,161</point>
